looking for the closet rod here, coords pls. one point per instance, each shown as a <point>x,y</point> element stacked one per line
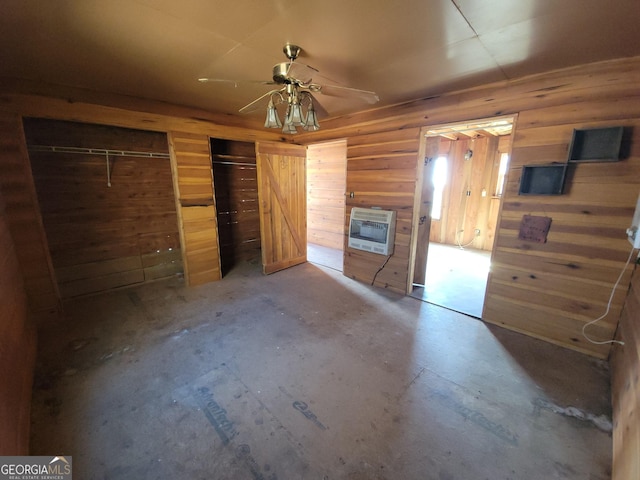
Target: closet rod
<point>96,151</point>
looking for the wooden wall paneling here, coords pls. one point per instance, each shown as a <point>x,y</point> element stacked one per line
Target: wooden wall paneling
<point>236,192</point>
<point>549,107</point>
<point>474,168</point>
<point>24,220</point>
<point>602,81</point>
<point>41,131</point>
<point>466,202</point>
<point>587,231</point>
<point>135,114</point>
<point>326,187</point>
<point>18,349</point>
<point>195,203</point>
<point>455,199</point>
<point>161,251</point>
<point>625,388</point>
<point>477,208</point>
<point>382,172</point>
<point>106,227</point>
<point>503,146</point>
<point>428,153</point>
<point>128,112</point>
<point>556,102</point>
<point>448,228</point>
<point>487,177</point>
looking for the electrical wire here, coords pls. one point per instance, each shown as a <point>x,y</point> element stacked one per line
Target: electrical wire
<point>462,247</point>
<point>380,269</point>
<point>613,291</point>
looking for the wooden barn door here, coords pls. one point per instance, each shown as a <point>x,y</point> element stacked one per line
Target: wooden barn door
<point>283,205</point>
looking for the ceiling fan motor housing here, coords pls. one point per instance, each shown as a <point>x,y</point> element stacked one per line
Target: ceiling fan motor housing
<point>281,70</point>
<point>281,73</point>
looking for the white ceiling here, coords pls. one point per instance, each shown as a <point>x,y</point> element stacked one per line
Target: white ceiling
<point>401,49</point>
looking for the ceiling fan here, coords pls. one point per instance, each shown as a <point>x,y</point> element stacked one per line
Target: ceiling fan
<point>297,91</point>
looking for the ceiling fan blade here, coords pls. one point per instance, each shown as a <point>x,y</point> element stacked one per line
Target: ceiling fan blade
<point>235,83</point>
<point>250,107</point>
<point>337,91</point>
<point>317,105</point>
<point>218,80</point>
<point>301,72</point>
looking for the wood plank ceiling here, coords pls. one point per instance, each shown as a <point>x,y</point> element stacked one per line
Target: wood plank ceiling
<point>488,128</point>
<point>403,50</point>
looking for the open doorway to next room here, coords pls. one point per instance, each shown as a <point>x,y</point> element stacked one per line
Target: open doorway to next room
<point>326,187</point>
<point>465,169</point>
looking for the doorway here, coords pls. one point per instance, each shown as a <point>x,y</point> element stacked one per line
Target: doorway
<point>260,204</point>
<point>236,192</point>
<point>326,189</point>
<point>464,170</point>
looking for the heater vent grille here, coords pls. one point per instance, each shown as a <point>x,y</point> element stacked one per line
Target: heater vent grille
<point>372,230</point>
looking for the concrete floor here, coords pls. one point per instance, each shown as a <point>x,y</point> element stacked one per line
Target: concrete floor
<point>456,278</point>
<point>306,374</point>
<point>325,256</point>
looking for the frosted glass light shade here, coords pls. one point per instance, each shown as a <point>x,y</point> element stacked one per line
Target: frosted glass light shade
<point>272,120</point>
<point>311,125</point>
<point>288,128</point>
<point>294,116</point>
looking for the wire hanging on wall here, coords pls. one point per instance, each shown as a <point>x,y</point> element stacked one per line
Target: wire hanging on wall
<point>606,312</point>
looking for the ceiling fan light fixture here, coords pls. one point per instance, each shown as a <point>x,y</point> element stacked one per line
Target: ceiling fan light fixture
<point>311,124</point>
<point>272,120</point>
<point>296,89</point>
<point>294,115</point>
<point>288,128</point>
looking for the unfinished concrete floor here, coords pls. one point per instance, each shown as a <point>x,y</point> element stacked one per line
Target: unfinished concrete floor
<point>456,278</point>
<point>306,374</point>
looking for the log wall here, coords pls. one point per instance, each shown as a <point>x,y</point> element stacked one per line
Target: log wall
<point>326,184</point>
<point>468,199</point>
<point>549,290</point>
<point>24,220</point>
<point>236,192</point>
<point>106,227</point>
<point>17,349</point>
<point>625,388</point>
<point>381,172</point>
<point>552,289</point>
<point>16,181</point>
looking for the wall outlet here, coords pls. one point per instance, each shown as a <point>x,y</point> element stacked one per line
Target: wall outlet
<point>634,236</point>
<point>632,232</point>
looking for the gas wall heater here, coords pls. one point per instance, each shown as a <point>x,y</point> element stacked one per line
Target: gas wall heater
<point>372,230</point>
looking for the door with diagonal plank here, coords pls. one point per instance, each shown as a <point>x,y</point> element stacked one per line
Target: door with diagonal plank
<point>283,205</point>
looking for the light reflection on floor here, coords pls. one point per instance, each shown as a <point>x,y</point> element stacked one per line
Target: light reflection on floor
<point>325,256</point>
<point>456,278</point>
